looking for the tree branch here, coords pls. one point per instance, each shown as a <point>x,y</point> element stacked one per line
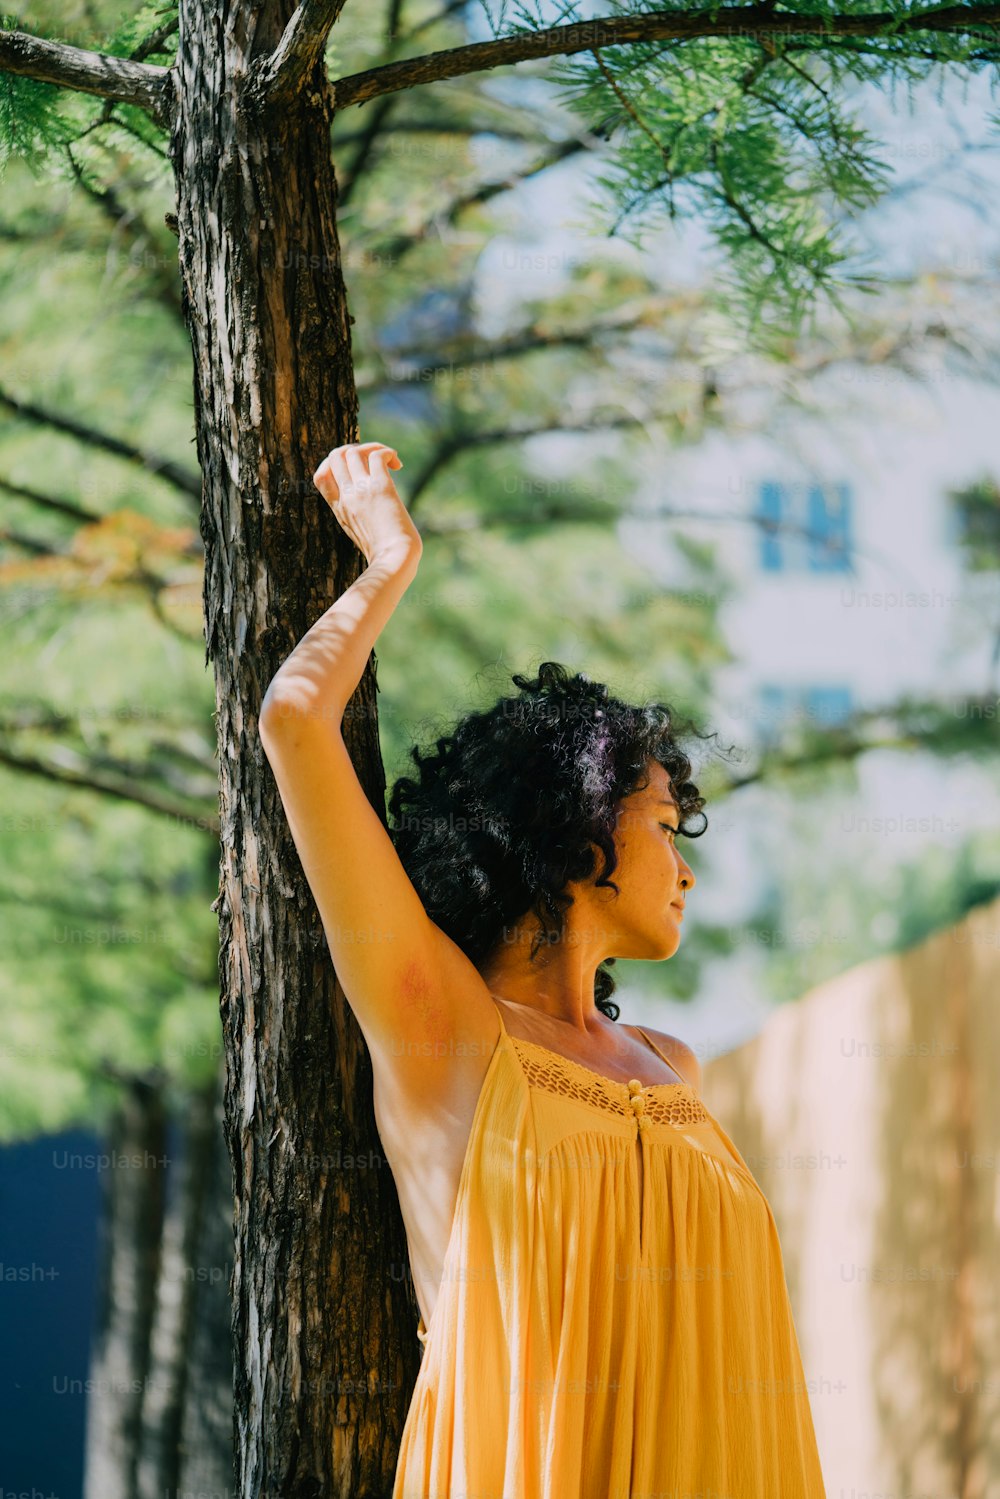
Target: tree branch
<point>754,21</point>
<point>50,502</point>
<point>155,40</point>
<point>413,364</point>
<point>445,14</point>
<point>279,77</point>
<point>572,512</point>
<point>380,124</point>
<point>374,127</point>
<point>46,902</point>
<point>28,543</point>
<point>396,248</point>
<point>74,771</point>
<point>459,442</point>
<point>182,478</point>
<point>141,83</point>
<point>903,726</point>
<point>433,127</point>
<point>129,222</point>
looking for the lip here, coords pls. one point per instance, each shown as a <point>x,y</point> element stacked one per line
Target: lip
<point>678,906</point>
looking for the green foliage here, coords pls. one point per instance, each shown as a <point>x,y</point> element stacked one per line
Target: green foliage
<point>32,115</point>
<point>518,598</point>
<point>41,123</point>
<point>750,135</point>
<point>754,137</point>
<point>135,32</point>
<point>111,942</point>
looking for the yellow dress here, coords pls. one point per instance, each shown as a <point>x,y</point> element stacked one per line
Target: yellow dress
<point>613,1320</point>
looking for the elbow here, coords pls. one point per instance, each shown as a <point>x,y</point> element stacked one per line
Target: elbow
<point>289,713</point>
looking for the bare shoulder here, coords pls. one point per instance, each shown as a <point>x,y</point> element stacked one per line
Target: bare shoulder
<point>679,1055</point>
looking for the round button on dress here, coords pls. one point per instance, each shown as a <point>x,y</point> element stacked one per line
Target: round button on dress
<point>613,1320</point>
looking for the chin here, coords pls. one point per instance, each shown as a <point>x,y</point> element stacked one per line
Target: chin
<point>665,944</point>
<point>653,947</point>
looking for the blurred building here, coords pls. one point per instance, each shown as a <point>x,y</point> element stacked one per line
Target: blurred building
<point>869,1114</point>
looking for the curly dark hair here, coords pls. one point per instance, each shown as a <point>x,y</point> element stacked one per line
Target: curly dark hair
<point>507,806</point>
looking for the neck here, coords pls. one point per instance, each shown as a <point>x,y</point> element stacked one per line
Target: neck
<point>559,983</point>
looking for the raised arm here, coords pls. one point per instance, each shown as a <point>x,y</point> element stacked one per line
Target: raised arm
<point>319,678</point>
<point>406,981</point>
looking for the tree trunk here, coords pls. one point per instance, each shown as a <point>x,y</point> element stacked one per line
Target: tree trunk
<point>189,1294</point>
<point>205,1460</point>
<point>160,1410</point>
<point>322,1377</point>
<point>131,1225</point>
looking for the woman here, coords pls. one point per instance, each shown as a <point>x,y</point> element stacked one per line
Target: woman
<point>604,1310</point>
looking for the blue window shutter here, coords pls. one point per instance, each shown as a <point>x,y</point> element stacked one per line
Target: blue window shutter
<point>773,702</point>
<point>827,705</point>
<point>828,520</point>
<point>770,510</point>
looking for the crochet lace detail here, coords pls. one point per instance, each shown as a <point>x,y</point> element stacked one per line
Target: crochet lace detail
<point>660,1103</point>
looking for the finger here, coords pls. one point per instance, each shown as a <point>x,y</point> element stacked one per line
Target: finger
<point>332,477</point>
<point>340,471</point>
<point>357,466</point>
<point>384,458</point>
<point>362,447</point>
<point>325,483</point>
<point>331,464</point>
<point>323,477</point>
<point>371,448</point>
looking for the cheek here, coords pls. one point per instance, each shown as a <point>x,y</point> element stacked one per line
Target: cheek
<point>651,860</point>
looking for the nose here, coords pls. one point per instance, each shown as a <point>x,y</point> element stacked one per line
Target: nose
<point>686,874</point>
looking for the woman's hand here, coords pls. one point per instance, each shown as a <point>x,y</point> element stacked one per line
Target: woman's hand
<point>355,481</point>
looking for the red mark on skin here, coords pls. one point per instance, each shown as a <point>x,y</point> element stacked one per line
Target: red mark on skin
<point>418,996</point>
<point>412,979</point>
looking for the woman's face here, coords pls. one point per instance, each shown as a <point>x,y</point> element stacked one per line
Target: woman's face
<point>648,913</point>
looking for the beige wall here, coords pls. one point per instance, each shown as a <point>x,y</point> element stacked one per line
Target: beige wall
<point>869,1111</point>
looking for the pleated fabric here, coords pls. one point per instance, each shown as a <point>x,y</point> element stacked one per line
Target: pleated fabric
<point>613,1320</point>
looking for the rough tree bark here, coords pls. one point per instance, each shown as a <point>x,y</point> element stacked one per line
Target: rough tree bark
<point>322,1374</point>
<point>160,1407</point>
<point>131,1235</point>
<point>205,1463</point>
<point>191,1293</point>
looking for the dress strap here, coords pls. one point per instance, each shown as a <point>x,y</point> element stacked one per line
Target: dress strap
<point>659,1053</point>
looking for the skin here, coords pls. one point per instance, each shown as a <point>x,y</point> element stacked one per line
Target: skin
<point>556,990</point>
<point>428,1015</point>
<point>551,1001</point>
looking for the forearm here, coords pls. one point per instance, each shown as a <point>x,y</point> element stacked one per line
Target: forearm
<point>318,679</point>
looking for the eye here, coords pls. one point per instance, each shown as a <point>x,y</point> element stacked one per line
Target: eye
<point>668,827</point>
